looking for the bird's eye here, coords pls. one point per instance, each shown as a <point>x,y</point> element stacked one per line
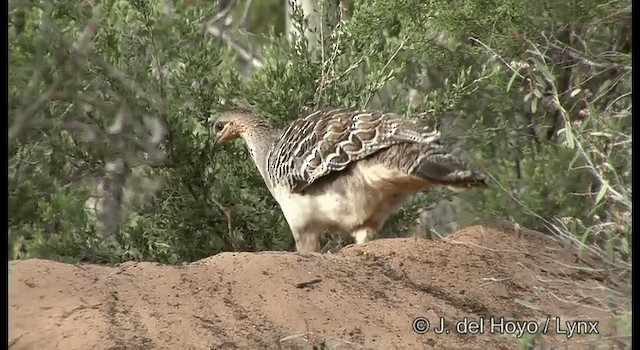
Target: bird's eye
<point>218,127</point>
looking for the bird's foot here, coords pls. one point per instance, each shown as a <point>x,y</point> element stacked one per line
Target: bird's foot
<point>363,236</point>
<point>305,254</point>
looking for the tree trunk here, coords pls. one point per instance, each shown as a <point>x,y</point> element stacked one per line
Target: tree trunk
<point>109,208</point>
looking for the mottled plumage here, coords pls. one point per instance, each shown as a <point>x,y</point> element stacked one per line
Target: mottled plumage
<point>330,140</point>
<point>345,169</point>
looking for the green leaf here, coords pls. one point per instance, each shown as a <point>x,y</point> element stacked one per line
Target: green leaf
<point>575,92</point>
<point>604,187</point>
<point>534,105</point>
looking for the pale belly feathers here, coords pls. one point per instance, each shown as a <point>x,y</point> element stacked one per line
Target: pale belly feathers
<point>368,194</point>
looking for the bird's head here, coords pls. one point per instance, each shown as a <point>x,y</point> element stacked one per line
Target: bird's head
<point>232,125</point>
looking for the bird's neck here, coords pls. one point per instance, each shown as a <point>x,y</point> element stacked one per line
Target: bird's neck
<point>259,142</point>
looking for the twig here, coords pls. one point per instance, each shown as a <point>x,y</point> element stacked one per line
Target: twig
<point>227,214</point>
<point>561,232</point>
<point>23,117</point>
<point>308,283</point>
<point>116,74</point>
<point>322,54</point>
<point>574,286</point>
<point>353,66</point>
<point>577,55</point>
<point>222,14</point>
<point>246,55</point>
<point>393,56</point>
<point>245,14</point>
<point>433,231</point>
<point>325,79</point>
<point>505,63</point>
<point>14,341</point>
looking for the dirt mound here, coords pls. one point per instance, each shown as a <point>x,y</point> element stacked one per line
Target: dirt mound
<point>363,297</point>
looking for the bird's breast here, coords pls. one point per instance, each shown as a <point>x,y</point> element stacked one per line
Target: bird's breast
<point>327,210</point>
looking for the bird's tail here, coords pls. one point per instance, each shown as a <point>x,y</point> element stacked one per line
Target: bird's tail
<point>447,170</point>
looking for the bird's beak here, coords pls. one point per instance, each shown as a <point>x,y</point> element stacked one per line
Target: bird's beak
<point>220,138</point>
<point>224,135</point>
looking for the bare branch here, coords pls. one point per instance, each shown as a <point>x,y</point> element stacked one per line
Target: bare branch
<point>386,65</point>
<point>227,214</point>
<point>23,117</point>
<point>580,56</point>
<point>245,14</point>
<point>222,14</point>
<point>246,55</point>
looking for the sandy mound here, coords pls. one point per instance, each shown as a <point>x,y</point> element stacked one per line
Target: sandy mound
<point>363,297</point>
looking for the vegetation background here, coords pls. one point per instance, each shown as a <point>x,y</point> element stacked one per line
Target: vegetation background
<point>110,157</point>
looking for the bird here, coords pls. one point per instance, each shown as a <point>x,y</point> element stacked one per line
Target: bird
<point>343,169</point>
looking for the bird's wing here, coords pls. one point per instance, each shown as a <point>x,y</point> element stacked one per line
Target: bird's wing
<point>328,141</point>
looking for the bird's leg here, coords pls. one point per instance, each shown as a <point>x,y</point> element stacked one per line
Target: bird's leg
<point>307,242</point>
<point>363,234</point>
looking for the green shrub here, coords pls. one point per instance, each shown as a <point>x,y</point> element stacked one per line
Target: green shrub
<point>134,81</point>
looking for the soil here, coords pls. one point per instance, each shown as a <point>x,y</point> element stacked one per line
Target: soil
<point>364,297</point>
